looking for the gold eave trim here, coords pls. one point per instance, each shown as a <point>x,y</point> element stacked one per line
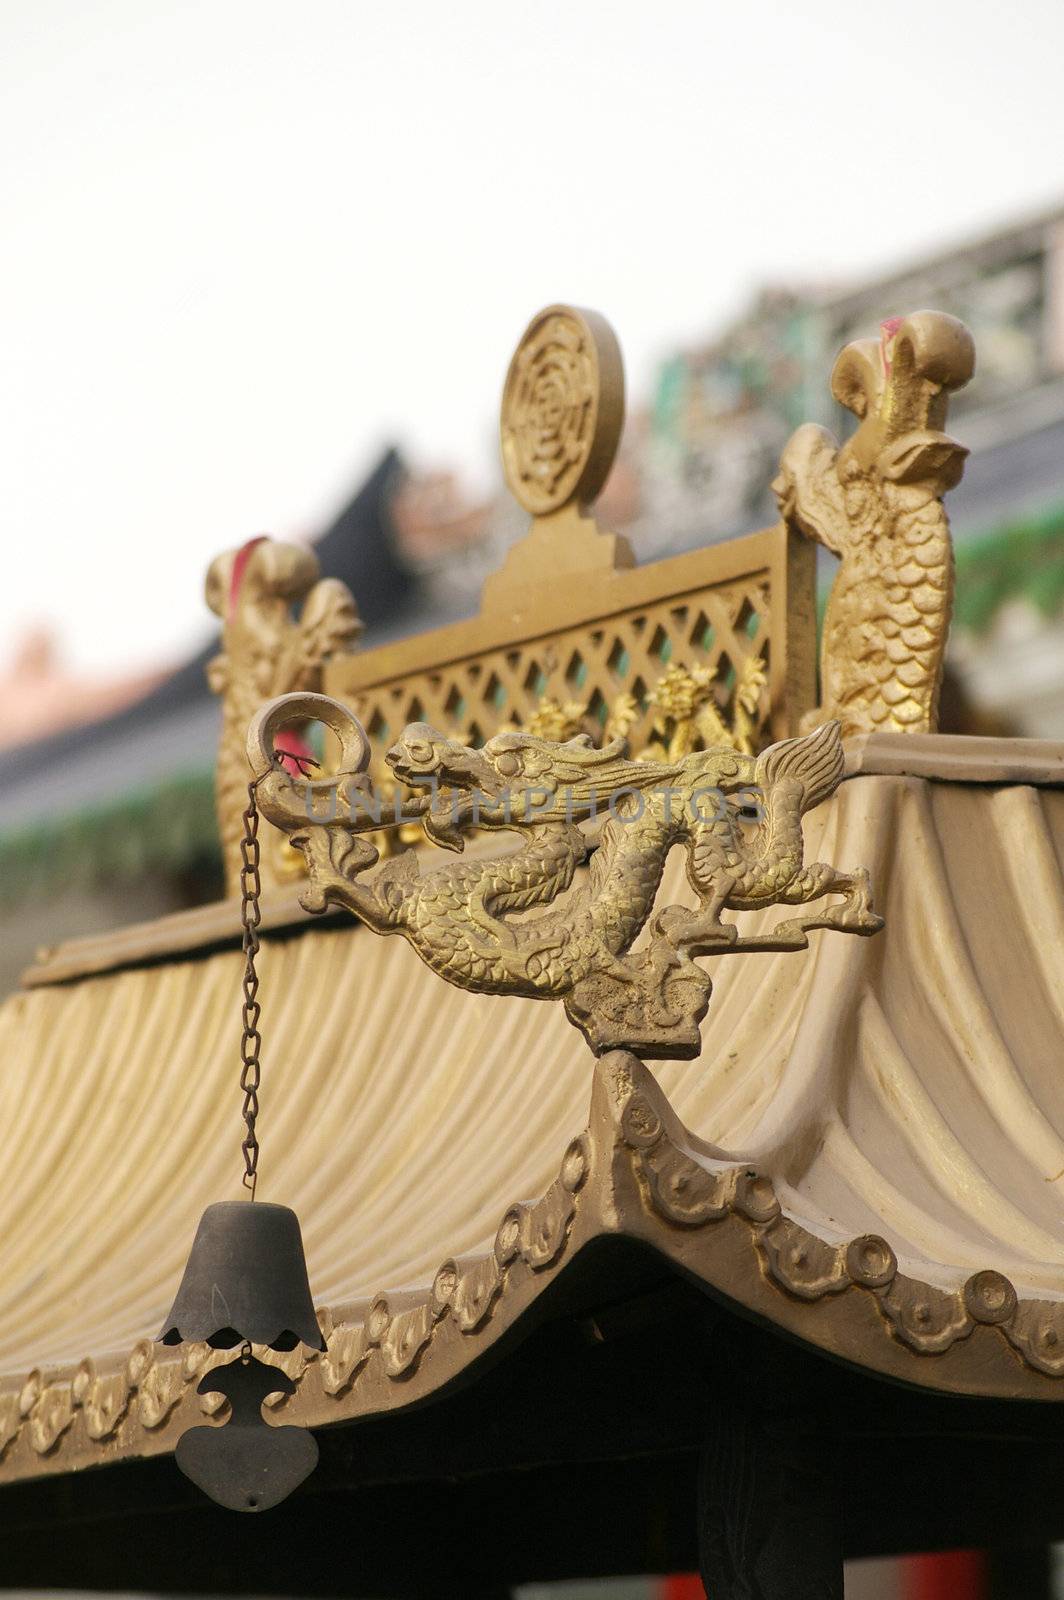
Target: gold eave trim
<point>635,1172</point>
<point>956,758</point>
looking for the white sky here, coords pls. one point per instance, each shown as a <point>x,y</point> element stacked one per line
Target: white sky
<point>247,242</point>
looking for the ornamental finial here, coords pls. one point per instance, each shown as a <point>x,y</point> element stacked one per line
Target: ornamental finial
<point>560,425</point>
<point>876,503</point>
<point>562,410</point>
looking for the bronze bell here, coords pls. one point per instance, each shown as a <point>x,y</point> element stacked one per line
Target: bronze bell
<point>245,1281</point>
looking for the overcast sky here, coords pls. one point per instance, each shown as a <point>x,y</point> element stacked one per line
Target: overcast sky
<point>247,242</point>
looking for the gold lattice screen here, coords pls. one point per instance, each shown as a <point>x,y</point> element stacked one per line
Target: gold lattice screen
<point>568,622</point>
<point>751,598</point>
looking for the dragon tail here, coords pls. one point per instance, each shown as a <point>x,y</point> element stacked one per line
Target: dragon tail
<point>816,761</point>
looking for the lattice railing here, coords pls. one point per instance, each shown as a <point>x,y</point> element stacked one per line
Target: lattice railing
<point>600,649</point>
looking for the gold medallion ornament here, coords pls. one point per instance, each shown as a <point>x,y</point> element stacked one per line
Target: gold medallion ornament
<point>560,425</point>
<point>562,410</point>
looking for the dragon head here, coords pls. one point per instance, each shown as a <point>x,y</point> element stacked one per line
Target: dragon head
<point>549,780</point>
<point>423,756</point>
<point>457,777</point>
<point>516,779</point>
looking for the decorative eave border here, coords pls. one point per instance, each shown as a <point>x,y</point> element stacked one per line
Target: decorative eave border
<point>929,1321</point>
<point>635,1172</point>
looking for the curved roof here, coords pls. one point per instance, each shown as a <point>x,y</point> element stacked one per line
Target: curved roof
<point>869,1152</point>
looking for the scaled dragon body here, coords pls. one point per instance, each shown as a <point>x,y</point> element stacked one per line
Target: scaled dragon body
<point>470,920</point>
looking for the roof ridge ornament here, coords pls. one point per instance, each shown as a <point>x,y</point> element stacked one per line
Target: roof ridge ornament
<point>737,816</point>
<point>560,424</point>
<point>876,503</point>
<point>266,651</point>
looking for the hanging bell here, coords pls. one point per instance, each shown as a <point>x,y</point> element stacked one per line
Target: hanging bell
<point>246,1283</point>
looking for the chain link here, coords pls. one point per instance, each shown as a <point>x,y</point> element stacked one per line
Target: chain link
<point>250,917</point>
<point>251,1039</point>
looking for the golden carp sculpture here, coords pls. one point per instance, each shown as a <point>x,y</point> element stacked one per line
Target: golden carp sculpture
<point>265,652</point>
<point>876,503</point>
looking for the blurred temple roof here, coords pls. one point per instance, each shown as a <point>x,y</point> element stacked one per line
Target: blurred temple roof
<point>146,766</point>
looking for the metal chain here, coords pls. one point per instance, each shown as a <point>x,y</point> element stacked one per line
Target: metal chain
<point>250,917</point>
<point>251,1040</point>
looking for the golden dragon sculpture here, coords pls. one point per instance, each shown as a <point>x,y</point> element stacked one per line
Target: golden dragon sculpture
<point>737,816</point>
<point>687,717</point>
<point>266,652</point>
<point>876,503</point>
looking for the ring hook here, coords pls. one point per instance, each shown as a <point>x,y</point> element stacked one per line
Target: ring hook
<point>266,724</point>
